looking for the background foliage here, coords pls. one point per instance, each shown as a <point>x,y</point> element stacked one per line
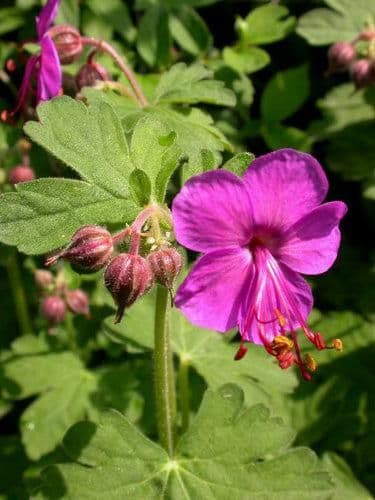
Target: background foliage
<point>222,78</point>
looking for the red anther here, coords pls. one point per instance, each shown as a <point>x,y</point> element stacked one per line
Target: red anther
<point>319,341</point>
<point>242,350</point>
<point>10,65</point>
<point>285,359</point>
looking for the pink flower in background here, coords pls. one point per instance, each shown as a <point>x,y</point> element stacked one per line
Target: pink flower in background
<point>257,234</point>
<point>45,66</point>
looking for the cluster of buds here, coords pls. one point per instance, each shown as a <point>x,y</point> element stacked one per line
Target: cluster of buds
<point>356,57</point>
<point>128,275</point>
<point>58,299</point>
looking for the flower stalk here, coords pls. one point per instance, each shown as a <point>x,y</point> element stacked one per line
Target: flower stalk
<point>19,295</point>
<point>165,398</point>
<point>103,46</point>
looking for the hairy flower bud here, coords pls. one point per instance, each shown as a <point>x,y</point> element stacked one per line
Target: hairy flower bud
<point>127,278</point>
<point>43,278</point>
<point>363,73</point>
<point>53,309</point>
<point>78,302</point>
<point>21,173</point>
<point>89,250</point>
<point>90,73</point>
<point>340,56</point>
<point>67,41</point>
<point>166,265</point>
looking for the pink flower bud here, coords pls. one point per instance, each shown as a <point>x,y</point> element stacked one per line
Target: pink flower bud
<point>340,56</point>
<point>363,73</point>
<point>21,173</point>
<point>67,41</point>
<point>53,309</point>
<point>166,265</point>
<point>127,278</point>
<point>89,250</point>
<point>90,73</point>
<point>43,278</point>
<point>78,302</point>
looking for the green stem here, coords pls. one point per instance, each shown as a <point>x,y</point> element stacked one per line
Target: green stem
<point>163,373</point>
<point>183,386</point>
<point>19,295</point>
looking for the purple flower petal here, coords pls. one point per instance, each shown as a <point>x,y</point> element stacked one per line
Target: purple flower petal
<point>212,211</point>
<point>25,85</point>
<point>211,295</point>
<point>311,244</point>
<point>46,17</point>
<point>50,75</point>
<point>283,186</point>
<point>276,290</point>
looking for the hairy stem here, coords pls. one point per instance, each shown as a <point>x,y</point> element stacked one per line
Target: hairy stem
<point>163,373</point>
<point>108,49</point>
<point>184,395</point>
<point>19,295</point>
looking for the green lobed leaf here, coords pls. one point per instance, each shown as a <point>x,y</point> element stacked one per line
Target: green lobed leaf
<point>190,85</point>
<point>231,458</point>
<point>67,392</point>
<point>189,30</point>
<point>42,215</point>
<point>266,24</point>
<point>154,39</point>
<point>209,354</point>
<point>324,26</point>
<point>246,59</point>
<point>285,93</point>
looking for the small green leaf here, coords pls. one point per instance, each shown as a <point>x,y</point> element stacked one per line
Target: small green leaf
<point>140,185</point>
<point>325,26</point>
<point>115,14</point>
<point>154,39</point>
<point>278,136</point>
<point>11,18</point>
<point>189,30</point>
<point>68,13</point>
<point>266,24</point>
<point>285,93</point>
<point>246,59</point>
<point>229,459</point>
<point>192,84</point>
<point>239,163</point>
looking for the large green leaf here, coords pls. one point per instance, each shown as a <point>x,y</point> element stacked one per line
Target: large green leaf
<point>88,139</point>
<point>345,22</point>
<point>209,354</point>
<point>265,24</point>
<point>285,93</point>
<point>42,215</point>
<point>232,458</point>
<point>190,85</point>
<point>66,391</point>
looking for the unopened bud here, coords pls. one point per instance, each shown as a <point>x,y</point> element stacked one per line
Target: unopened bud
<point>340,56</point>
<point>53,309</point>
<point>21,173</point>
<point>90,73</point>
<point>363,73</point>
<point>166,265</point>
<point>127,278</point>
<point>78,302</point>
<point>89,250</point>
<point>67,41</point>
<point>43,278</point>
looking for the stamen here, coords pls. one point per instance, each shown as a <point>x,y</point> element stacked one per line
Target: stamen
<point>282,343</point>
<point>337,344</point>
<point>310,363</point>
<point>281,318</point>
<point>242,350</point>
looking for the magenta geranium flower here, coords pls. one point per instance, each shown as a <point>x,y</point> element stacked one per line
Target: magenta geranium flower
<point>257,235</point>
<point>45,66</point>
